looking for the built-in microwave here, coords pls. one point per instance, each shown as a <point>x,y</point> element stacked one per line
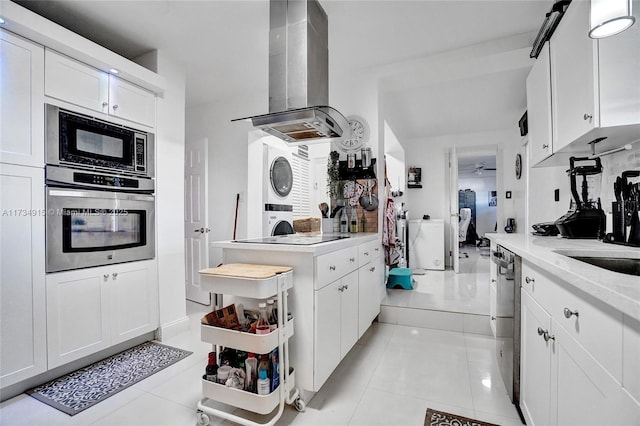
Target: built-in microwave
<point>81,141</point>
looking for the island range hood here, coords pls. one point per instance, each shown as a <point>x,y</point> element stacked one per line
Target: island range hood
<point>299,76</point>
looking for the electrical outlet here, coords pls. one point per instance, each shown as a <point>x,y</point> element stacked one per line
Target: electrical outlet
<point>556,194</point>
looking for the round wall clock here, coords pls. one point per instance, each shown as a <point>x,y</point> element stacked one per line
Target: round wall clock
<point>359,134</point>
<point>518,166</point>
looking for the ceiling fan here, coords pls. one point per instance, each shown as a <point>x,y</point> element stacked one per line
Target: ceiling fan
<point>478,168</point>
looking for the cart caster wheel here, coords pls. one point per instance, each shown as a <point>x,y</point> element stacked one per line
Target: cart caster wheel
<point>203,419</point>
<point>299,405</point>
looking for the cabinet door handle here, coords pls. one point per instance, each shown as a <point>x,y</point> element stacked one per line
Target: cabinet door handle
<point>346,286</point>
<point>332,268</point>
<point>493,318</point>
<point>545,334</point>
<point>366,253</point>
<point>493,280</point>
<point>114,275</point>
<point>373,268</point>
<point>377,249</point>
<point>115,107</point>
<point>341,289</point>
<point>352,259</point>
<point>545,146</point>
<point>106,277</point>
<point>105,104</point>
<point>529,280</point>
<point>568,313</point>
<point>587,116</point>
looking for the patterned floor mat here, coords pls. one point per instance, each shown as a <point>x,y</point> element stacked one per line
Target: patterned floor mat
<point>440,418</point>
<point>77,391</point>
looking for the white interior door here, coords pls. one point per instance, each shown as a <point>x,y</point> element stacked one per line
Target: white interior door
<point>453,208</point>
<point>196,230</point>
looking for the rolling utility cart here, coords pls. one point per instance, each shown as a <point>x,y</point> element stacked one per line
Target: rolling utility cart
<point>256,282</point>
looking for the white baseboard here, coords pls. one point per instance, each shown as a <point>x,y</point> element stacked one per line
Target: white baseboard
<point>172,329</point>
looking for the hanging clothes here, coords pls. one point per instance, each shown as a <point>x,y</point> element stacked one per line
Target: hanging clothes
<point>389,229</point>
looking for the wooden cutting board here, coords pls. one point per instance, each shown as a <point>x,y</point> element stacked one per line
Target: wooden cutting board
<point>246,270</point>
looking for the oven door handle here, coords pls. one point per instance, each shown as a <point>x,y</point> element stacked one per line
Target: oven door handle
<point>96,194</point>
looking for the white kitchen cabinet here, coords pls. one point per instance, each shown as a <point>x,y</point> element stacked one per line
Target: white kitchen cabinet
<point>595,84</point>
<point>573,354</point>
<point>80,84</point>
<point>23,328</point>
<point>539,107</point>
<point>371,282</point>
<point>573,64</point>
<point>91,309</point>
<point>584,392</point>
<point>77,83</point>
<point>21,103</point>
<point>131,102</point>
<point>336,325</point>
<point>535,363</point>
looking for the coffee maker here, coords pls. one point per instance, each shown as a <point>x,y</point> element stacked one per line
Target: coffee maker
<point>626,224</point>
<point>586,219</point>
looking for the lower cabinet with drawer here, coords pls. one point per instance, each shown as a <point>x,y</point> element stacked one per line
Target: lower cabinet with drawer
<point>572,356</point>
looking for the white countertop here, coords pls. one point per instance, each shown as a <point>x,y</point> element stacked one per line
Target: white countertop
<point>313,249</point>
<point>618,290</point>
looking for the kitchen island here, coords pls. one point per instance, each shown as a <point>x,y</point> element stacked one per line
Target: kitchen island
<point>580,332</point>
<point>337,289</point>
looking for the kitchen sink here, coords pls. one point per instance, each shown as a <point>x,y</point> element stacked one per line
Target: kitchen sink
<point>617,262</point>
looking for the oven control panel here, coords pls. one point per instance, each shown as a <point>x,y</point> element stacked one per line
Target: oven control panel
<point>105,180</point>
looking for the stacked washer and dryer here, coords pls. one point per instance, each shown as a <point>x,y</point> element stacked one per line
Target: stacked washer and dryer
<point>277,196</point>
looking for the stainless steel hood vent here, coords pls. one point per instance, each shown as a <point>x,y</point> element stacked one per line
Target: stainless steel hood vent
<point>299,76</point>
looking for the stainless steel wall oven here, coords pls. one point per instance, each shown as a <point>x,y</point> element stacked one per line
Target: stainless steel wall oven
<point>99,193</point>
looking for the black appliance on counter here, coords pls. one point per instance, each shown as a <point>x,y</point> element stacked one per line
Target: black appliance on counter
<point>587,220</point>
<point>626,224</point>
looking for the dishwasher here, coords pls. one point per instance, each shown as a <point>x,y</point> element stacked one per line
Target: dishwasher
<point>507,317</point>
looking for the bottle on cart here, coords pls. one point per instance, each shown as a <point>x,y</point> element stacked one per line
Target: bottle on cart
<point>251,369</point>
<point>270,315</point>
<point>264,364</point>
<point>212,368</point>
<point>263,323</point>
<point>263,383</point>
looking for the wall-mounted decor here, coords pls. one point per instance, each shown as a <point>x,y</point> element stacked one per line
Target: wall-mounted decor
<point>493,198</point>
<point>415,177</point>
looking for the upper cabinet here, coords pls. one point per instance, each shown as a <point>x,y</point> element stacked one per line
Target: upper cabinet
<point>21,101</point>
<point>574,68</point>
<point>77,83</point>
<point>539,107</point>
<point>593,90</point>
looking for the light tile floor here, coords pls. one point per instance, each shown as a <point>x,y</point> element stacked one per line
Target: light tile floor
<point>390,377</point>
<point>466,292</point>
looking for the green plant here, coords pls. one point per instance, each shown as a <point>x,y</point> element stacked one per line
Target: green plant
<point>333,175</point>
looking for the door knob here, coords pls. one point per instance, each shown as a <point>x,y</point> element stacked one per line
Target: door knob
<point>587,117</point>
<point>115,107</point>
<point>545,146</point>
<point>568,313</point>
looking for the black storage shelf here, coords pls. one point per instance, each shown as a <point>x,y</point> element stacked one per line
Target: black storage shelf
<point>357,172</point>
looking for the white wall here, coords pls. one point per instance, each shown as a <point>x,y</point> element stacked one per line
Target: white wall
<point>228,164</point>
<point>170,131</point>
<point>486,215</point>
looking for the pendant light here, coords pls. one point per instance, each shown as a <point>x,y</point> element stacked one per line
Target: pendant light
<point>609,17</point>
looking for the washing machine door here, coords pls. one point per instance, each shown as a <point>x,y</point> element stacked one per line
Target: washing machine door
<point>281,176</point>
<point>283,227</point>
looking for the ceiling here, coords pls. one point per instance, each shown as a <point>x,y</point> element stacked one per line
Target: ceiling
<point>224,48</point>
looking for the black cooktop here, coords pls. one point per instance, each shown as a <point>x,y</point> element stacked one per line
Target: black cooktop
<point>294,239</point>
